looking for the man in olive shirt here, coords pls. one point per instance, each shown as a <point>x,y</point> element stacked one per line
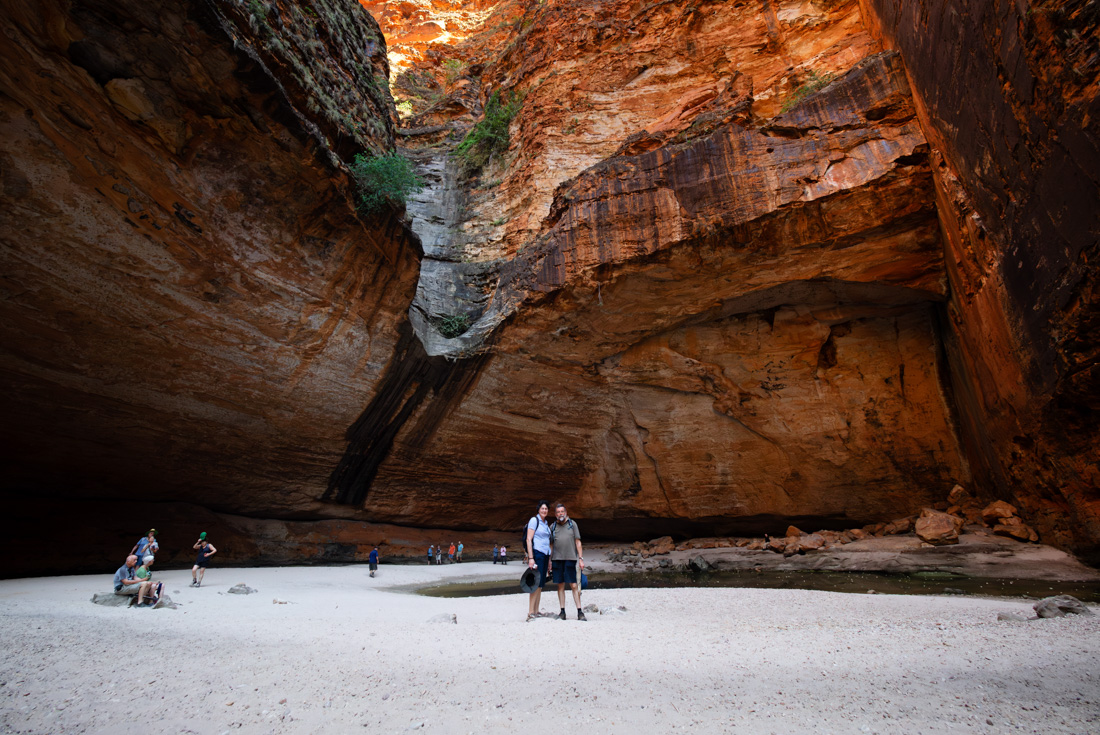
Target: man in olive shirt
<point>565,555</point>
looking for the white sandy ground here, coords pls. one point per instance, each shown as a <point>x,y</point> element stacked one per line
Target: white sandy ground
<point>349,655</point>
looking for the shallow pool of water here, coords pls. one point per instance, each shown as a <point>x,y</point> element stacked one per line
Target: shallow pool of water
<point>920,583</point>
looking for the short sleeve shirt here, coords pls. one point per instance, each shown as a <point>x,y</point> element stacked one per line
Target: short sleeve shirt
<point>124,572</point>
<point>566,536</point>
<point>541,539</point>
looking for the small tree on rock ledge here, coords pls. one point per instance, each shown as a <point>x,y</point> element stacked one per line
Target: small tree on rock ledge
<point>384,181</point>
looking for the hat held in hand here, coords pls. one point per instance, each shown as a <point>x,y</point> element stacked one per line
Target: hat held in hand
<point>529,582</point>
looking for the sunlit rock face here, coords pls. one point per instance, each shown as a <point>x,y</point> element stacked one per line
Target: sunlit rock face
<point>705,281</point>
<point>1008,97</point>
<point>710,328</point>
<point>191,307</point>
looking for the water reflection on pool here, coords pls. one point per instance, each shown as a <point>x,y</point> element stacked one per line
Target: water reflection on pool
<point>919,583</point>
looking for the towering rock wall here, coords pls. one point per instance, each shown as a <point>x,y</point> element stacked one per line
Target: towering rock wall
<point>701,303</point>
<point>705,281</point>
<point>191,307</point>
<point>1007,93</point>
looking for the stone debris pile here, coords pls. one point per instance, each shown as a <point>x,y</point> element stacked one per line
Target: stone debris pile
<point>936,526</point>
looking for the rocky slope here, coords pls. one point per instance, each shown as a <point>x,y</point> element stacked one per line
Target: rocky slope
<point>702,289</point>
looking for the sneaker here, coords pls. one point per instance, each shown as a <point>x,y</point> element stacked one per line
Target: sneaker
<point>561,615</point>
<point>193,583</point>
<point>580,615</point>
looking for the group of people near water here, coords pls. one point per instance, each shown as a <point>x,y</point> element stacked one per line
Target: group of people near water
<point>437,554</point>
<point>135,576</point>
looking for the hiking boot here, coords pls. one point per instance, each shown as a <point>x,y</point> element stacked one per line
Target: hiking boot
<point>580,615</point>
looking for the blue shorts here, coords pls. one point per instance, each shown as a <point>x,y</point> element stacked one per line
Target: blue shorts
<point>542,562</point>
<point>565,571</point>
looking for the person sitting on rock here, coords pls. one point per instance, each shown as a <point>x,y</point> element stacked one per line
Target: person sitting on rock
<point>128,583</point>
<point>143,571</point>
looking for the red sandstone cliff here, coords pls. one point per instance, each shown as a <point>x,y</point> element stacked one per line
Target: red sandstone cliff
<point>192,310</point>
<point>699,300</point>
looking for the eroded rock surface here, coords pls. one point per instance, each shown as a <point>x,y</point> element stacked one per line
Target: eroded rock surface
<point>191,307</point>
<point>703,289</point>
<point>1008,98</point>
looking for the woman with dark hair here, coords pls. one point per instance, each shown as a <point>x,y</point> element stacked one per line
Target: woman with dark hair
<point>538,553</point>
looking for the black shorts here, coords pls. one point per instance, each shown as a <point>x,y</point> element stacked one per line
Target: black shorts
<point>201,563</point>
<point>374,566</point>
<point>565,571</point>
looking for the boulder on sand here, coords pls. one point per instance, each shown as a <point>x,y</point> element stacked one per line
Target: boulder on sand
<point>938,528</point>
<point>1059,606</point>
<point>1015,528</point>
<point>996,511</point>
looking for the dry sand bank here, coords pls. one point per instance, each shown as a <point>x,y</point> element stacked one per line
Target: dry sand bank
<point>350,654</point>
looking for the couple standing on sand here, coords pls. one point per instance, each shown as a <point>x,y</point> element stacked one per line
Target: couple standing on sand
<point>560,545</point>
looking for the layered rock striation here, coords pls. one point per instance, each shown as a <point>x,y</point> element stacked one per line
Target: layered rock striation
<point>1017,154</point>
<point>732,266</point>
<point>192,308</point>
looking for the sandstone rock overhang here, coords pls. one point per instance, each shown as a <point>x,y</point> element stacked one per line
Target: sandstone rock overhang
<point>709,335</point>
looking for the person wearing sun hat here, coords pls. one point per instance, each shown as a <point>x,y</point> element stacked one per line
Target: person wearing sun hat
<point>146,545</point>
<point>206,550</point>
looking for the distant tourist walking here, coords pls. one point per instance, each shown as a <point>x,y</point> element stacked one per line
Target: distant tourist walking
<point>373,561</point>
<point>439,554</point>
<point>431,553</point>
<point>565,555</point>
<point>451,553</point>
<point>496,554</point>
<point>503,554</point>
<point>538,554</point>
<point>206,550</point>
<point>458,554</point>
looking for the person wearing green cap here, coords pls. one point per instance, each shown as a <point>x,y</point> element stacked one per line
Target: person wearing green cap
<point>206,550</point>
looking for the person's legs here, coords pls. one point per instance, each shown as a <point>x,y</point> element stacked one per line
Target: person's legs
<point>576,594</point>
<point>202,571</point>
<point>194,570</point>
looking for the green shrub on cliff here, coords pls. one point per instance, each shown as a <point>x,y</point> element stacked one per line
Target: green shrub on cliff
<point>813,83</point>
<point>453,325</point>
<point>384,181</point>
<point>489,136</point>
